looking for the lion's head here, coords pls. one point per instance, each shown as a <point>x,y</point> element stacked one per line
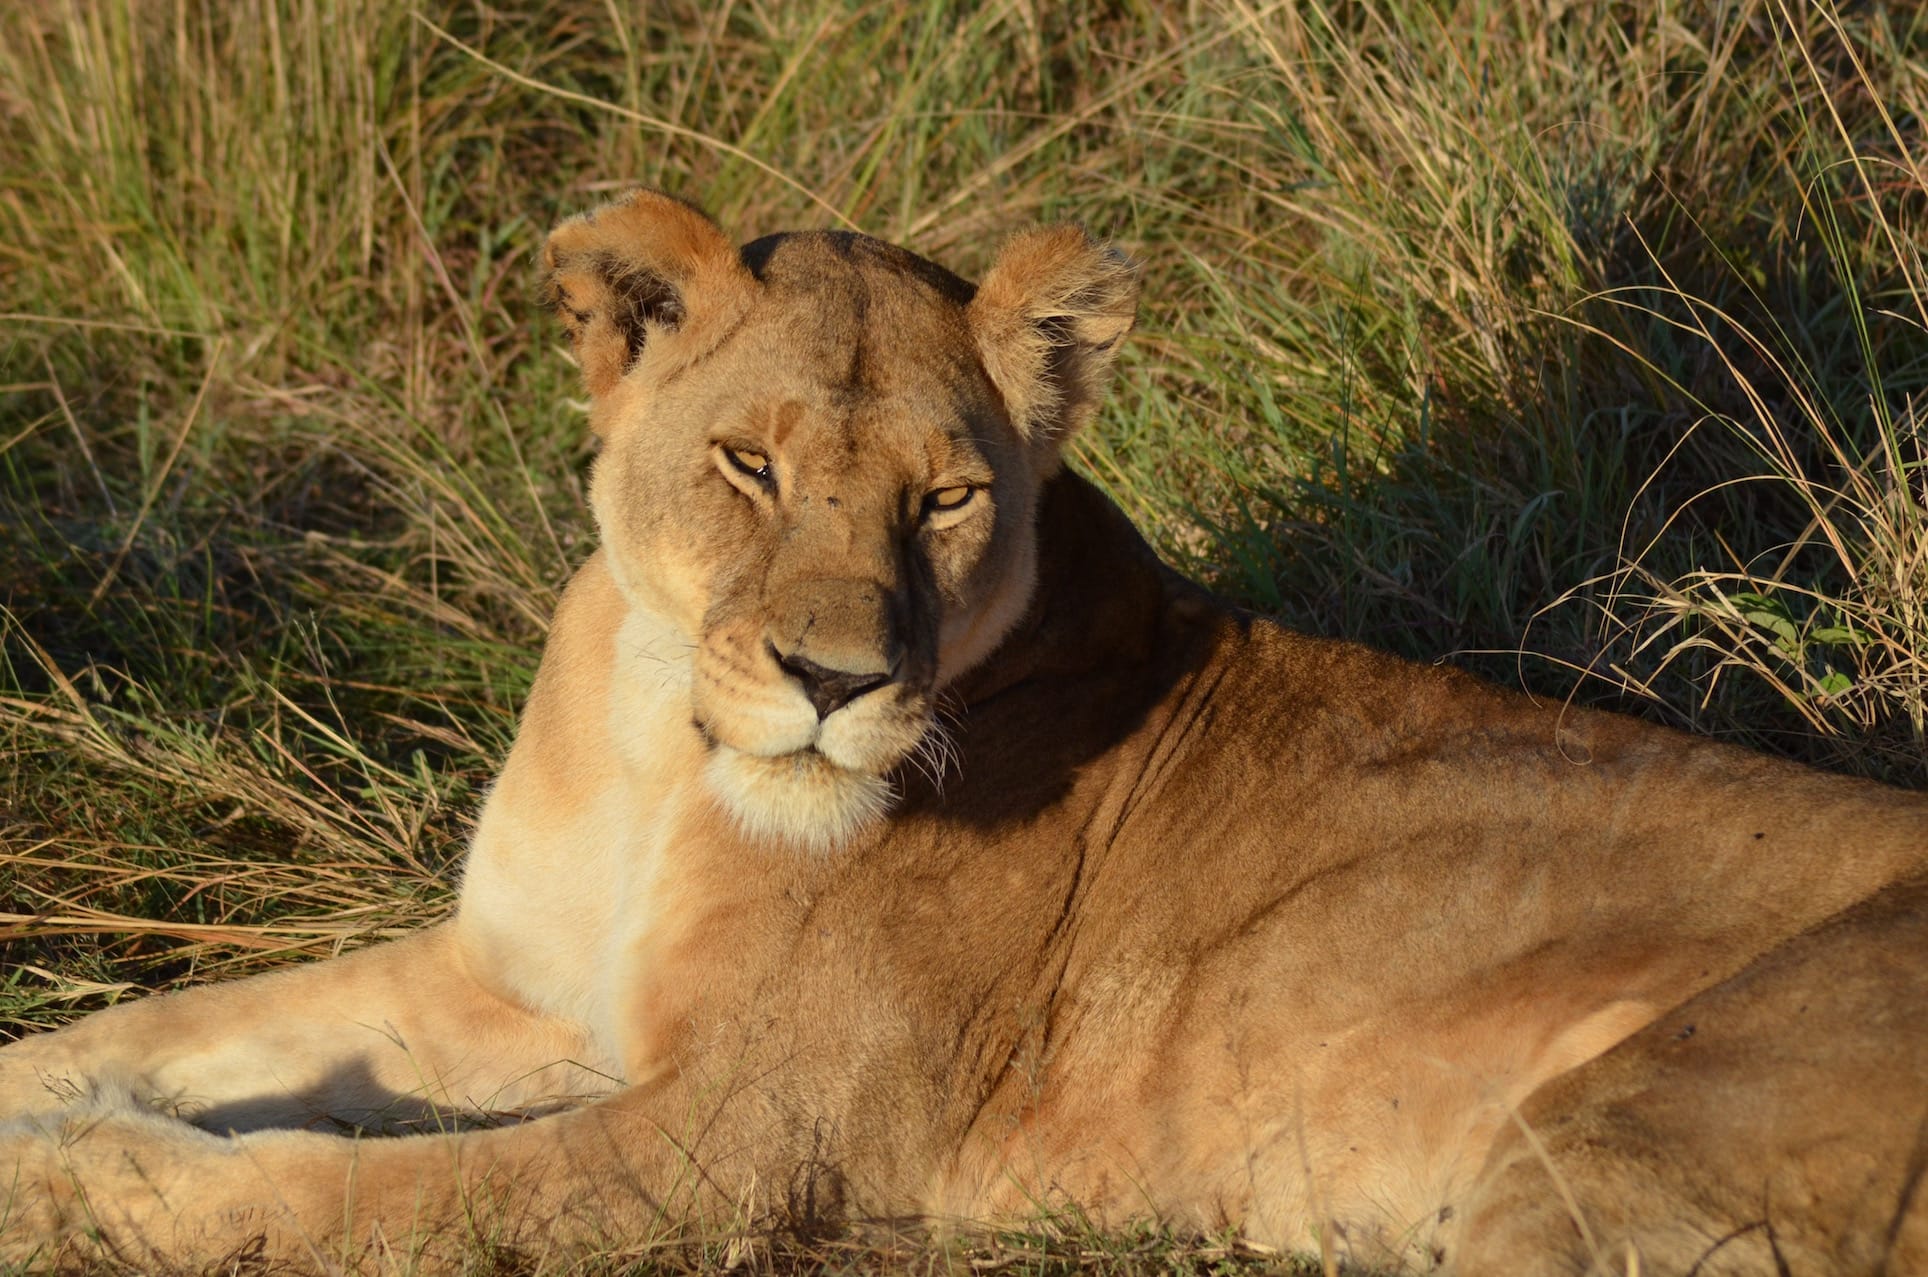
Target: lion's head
<point>821,462</point>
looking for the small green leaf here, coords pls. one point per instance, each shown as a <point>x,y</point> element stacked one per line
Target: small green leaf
<point>1838,636</point>
<point>1776,621</point>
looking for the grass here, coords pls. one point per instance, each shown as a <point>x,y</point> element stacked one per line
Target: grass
<point>1590,351</point>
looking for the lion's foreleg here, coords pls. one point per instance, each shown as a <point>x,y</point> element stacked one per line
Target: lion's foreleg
<point>394,1033</point>
<point>640,1167</point>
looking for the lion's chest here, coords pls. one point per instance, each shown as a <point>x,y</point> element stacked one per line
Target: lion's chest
<point>565,881</point>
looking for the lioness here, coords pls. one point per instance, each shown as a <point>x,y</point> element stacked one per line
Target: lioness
<point>888,832</point>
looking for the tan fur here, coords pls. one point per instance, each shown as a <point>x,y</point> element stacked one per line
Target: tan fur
<point>871,850</point>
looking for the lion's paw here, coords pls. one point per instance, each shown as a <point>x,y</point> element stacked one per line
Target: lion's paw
<point>102,1173</point>
<point>35,1198</point>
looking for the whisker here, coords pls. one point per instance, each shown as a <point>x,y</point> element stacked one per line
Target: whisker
<point>936,754</point>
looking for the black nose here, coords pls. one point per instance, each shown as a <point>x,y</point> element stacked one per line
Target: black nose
<point>829,690</point>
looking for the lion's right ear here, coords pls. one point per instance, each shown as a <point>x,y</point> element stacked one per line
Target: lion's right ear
<point>634,270</point>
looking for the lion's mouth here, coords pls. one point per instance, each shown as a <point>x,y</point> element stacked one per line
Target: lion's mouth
<point>802,798</point>
<point>788,773</point>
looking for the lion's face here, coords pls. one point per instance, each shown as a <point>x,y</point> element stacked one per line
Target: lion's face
<point>822,458</point>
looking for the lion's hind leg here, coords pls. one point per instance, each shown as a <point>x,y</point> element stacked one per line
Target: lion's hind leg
<point>1776,1123</point>
<point>393,1034</point>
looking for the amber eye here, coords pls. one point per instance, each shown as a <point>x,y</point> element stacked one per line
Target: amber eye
<point>751,463</point>
<point>943,500</point>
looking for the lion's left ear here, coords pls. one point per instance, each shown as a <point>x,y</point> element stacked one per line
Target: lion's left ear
<point>1049,318</point>
<point>634,270</point>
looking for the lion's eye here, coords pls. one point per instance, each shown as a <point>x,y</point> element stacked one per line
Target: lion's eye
<point>751,463</point>
<point>943,500</point>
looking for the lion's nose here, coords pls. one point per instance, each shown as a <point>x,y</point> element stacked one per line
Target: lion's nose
<point>829,690</point>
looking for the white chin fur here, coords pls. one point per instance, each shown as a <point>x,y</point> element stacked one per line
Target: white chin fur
<point>802,799</point>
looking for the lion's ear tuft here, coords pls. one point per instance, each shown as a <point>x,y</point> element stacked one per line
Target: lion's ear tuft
<point>1049,319</point>
<point>647,263</point>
